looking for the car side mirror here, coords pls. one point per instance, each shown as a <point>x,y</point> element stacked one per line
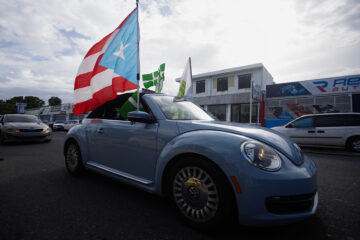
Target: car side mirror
<point>139,116</point>
<point>289,126</point>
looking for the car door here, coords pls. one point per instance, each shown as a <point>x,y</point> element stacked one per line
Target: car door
<point>125,148</point>
<point>330,130</point>
<point>302,131</point>
<point>120,146</point>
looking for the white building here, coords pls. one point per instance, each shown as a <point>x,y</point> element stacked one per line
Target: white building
<point>226,93</point>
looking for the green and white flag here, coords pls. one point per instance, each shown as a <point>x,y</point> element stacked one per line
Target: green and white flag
<point>155,79</point>
<point>150,79</point>
<point>128,106</point>
<point>185,89</point>
<point>160,83</point>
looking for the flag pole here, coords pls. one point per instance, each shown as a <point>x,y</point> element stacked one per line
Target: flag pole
<point>190,69</point>
<point>191,81</point>
<point>251,101</point>
<point>138,58</point>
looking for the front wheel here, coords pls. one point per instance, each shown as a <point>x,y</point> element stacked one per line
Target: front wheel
<point>200,193</point>
<point>73,159</point>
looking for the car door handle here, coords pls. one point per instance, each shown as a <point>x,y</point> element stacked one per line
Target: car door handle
<point>311,131</point>
<point>321,131</point>
<point>100,130</point>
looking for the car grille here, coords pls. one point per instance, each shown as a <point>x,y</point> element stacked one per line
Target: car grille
<point>30,130</point>
<point>290,204</point>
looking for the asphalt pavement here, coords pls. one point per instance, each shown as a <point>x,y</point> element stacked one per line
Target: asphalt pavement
<point>40,200</point>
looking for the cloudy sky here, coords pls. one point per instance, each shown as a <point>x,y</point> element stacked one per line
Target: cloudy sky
<point>43,42</point>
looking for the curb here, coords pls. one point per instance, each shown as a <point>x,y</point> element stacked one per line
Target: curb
<point>332,151</point>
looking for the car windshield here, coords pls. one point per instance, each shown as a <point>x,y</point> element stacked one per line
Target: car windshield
<point>59,121</point>
<point>182,110</point>
<point>21,118</point>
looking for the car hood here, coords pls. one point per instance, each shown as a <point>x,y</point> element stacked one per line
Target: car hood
<point>270,137</point>
<point>23,125</point>
<point>278,128</point>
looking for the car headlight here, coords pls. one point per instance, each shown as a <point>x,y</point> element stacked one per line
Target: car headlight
<point>261,156</point>
<point>46,130</point>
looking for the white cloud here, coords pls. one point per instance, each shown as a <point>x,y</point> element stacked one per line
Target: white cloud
<point>43,43</point>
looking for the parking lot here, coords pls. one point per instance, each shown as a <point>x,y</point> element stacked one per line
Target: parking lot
<point>40,200</point>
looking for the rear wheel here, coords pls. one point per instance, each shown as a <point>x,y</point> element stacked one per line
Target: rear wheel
<point>200,193</point>
<point>73,160</point>
<point>354,144</point>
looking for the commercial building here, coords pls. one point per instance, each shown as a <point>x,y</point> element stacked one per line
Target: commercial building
<point>61,112</point>
<point>287,101</point>
<point>226,93</point>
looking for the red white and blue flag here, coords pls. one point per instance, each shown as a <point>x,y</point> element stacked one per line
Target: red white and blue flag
<point>109,67</point>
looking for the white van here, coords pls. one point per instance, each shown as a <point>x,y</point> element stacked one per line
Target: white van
<point>327,129</point>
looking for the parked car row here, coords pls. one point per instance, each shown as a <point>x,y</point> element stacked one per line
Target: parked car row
<point>61,125</point>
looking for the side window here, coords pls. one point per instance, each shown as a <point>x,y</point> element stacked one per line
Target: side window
<point>222,84</point>
<point>351,120</point>
<point>117,109</point>
<point>200,86</point>
<point>337,120</point>
<point>244,81</point>
<point>327,121</point>
<point>303,123</point>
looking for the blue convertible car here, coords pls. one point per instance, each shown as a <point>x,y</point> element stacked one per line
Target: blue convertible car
<point>211,171</point>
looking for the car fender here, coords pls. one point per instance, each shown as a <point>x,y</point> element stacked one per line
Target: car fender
<point>78,134</point>
<point>221,148</point>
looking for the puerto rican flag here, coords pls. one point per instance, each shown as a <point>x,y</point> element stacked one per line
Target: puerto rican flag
<point>109,67</point>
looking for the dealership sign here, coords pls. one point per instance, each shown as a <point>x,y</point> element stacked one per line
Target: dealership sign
<point>315,87</point>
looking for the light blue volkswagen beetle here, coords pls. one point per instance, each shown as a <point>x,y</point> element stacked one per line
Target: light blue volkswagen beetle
<point>212,172</point>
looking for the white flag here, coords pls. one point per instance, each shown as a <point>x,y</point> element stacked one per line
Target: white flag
<point>185,90</point>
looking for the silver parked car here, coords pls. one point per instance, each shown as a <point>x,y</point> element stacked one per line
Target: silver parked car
<point>71,124</point>
<point>22,127</point>
<point>327,129</point>
<point>59,125</point>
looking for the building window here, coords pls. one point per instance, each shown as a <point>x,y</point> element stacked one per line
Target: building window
<point>222,84</point>
<point>244,81</point>
<point>241,113</point>
<point>218,111</point>
<point>200,86</point>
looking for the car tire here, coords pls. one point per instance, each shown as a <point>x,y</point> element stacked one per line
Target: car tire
<point>354,144</point>
<point>73,159</point>
<point>200,193</point>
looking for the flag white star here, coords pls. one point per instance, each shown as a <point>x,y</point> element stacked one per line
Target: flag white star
<point>120,53</point>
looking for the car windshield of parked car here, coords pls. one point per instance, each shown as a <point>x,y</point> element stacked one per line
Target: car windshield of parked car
<point>182,110</point>
<point>21,118</point>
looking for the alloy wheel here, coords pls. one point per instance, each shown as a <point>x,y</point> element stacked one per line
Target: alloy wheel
<point>72,157</point>
<point>195,194</point>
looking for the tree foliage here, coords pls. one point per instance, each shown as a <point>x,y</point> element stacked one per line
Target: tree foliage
<point>7,108</point>
<point>31,101</point>
<point>53,101</point>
